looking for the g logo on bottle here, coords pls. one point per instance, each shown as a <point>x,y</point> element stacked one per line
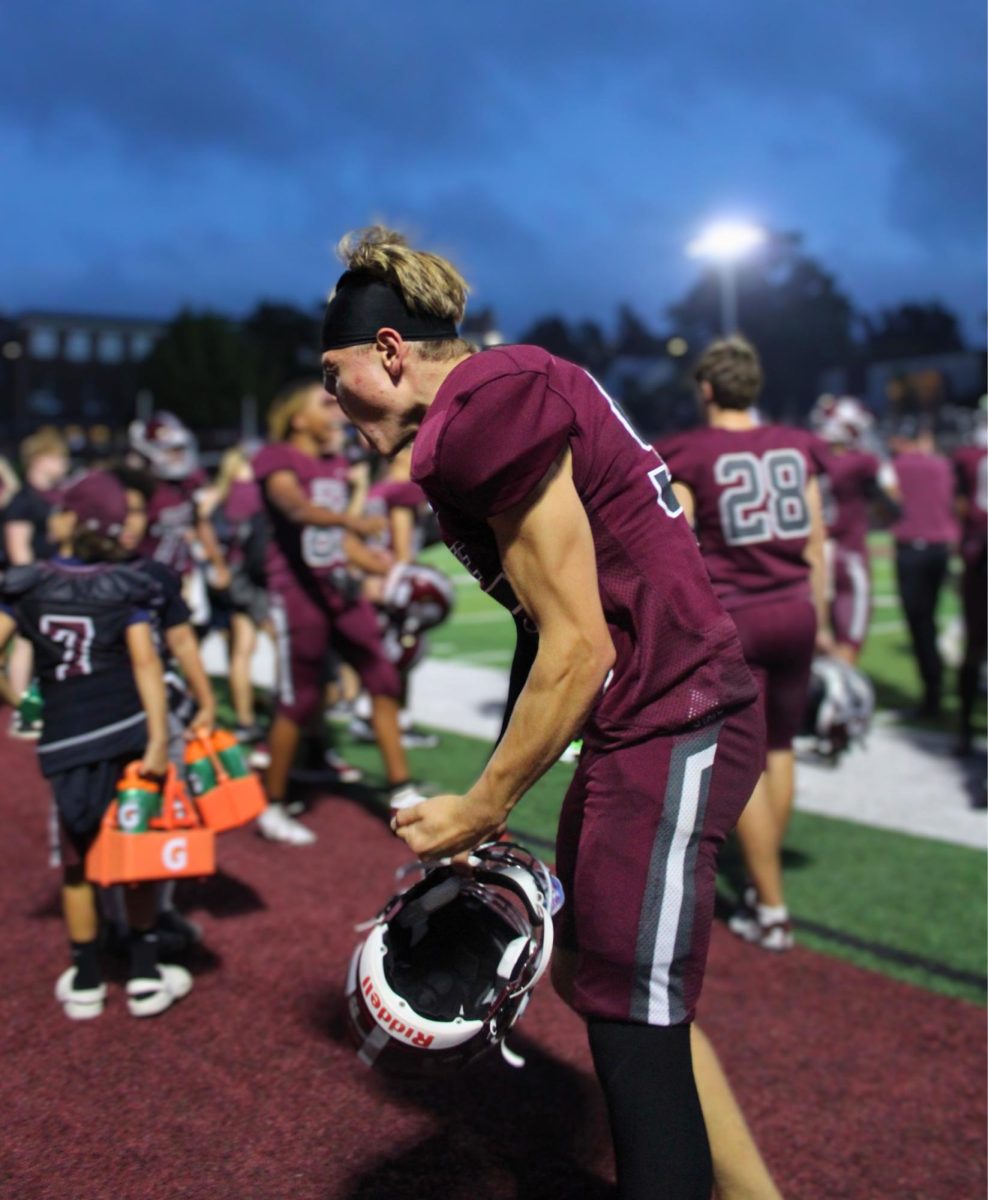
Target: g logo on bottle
<point>129,815</point>
<point>175,854</point>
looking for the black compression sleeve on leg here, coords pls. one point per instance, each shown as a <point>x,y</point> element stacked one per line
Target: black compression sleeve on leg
<point>660,1140</point>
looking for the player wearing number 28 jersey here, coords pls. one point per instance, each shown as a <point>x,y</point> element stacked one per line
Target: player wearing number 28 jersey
<point>753,496</point>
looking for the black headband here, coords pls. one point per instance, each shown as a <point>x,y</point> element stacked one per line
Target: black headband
<point>363,304</point>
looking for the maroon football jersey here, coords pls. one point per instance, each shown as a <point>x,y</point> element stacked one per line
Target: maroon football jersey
<point>171,513</point>
<point>971,479</point>
<point>852,483</point>
<point>750,513</point>
<point>498,423</point>
<point>385,496</point>
<point>927,485</point>
<point>304,555</point>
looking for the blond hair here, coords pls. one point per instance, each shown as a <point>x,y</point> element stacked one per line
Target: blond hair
<point>732,368</point>
<point>427,283</point>
<point>46,440</point>
<point>286,406</point>
<point>229,468</point>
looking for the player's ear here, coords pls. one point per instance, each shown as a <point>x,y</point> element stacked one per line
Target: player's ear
<point>392,348</point>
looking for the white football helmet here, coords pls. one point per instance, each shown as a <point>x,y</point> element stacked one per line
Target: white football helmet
<point>166,444</point>
<point>417,597</point>
<point>448,965</point>
<point>841,419</point>
<point>839,708</point>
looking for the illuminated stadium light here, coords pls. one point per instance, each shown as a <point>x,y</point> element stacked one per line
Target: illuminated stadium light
<point>726,241</point>
<point>724,244</point>
<point>676,347</point>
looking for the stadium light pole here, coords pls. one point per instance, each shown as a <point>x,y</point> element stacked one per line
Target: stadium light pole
<point>724,244</point>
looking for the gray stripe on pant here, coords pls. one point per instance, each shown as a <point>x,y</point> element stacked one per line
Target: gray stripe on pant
<point>657,880</point>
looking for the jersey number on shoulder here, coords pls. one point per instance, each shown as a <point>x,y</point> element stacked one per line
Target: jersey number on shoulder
<point>659,476</point>
<point>764,498</point>
<point>75,636</point>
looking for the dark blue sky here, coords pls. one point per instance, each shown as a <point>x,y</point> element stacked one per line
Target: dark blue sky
<point>197,153</point>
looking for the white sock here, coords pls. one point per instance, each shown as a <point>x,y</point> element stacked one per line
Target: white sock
<point>772,914</point>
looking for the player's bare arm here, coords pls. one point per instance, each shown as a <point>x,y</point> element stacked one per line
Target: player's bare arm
<point>206,535</point>
<point>150,681</point>
<point>369,559</point>
<point>184,647</point>
<point>288,496</point>
<point>8,693</point>
<point>815,555</point>
<point>402,534</point>
<point>547,553</point>
<point>18,537</point>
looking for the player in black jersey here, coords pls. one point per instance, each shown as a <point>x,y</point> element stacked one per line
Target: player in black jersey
<point>191,704</point>
<point>88,618</point>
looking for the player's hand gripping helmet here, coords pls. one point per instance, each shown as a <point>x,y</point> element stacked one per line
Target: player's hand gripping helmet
<point>840,419</point>
<point>448,965</point>
<point>168,446</point>
<point>839,709</point>
<point>417,597</point>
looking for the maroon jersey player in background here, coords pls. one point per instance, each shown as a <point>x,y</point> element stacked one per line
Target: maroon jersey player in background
<point>971,474</point>
<point>305,487</point>
<point>564,516</point>
<point>925,534</point>
<point>856,483</point>
<point>752,495</point>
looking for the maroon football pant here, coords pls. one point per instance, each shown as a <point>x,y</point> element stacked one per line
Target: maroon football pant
<point>778,640</point>
<point>636,854</point>
<point>305,630</point>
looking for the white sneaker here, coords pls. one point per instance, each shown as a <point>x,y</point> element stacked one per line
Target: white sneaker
<point>148,997</point>
<point>345,772</point>
<point>744,924</point>
<point>259,756</point>
<point>277,826</point>
<point>79,1004</point>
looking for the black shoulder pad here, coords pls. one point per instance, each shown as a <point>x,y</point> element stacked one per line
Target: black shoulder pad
<point>165,577</point>
<point>15,581</point>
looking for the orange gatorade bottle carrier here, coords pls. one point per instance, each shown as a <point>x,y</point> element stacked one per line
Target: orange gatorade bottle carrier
<point>227,791</point>
<point>150,831</point>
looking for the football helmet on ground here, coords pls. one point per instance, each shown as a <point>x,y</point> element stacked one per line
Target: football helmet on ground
<point>839,708</point>
<point>166,445</point>
<point>447,967</point>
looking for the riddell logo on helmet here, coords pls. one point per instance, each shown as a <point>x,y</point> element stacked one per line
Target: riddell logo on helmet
<point>389,1021</point>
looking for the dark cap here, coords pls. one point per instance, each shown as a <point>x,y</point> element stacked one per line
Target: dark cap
<point>98,500</point>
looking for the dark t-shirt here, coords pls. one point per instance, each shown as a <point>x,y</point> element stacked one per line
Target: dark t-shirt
<point>30,505</point>
<point>750,513</point>
<point>498,423</point>
<point>304,556</point>
<point>77,617</point>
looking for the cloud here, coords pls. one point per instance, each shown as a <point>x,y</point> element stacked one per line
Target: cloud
<point>564,158</point>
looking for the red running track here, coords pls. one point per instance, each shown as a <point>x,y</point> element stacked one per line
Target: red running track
<point>856,1086</point>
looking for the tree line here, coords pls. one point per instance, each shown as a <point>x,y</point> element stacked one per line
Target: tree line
<point>790,306</point>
